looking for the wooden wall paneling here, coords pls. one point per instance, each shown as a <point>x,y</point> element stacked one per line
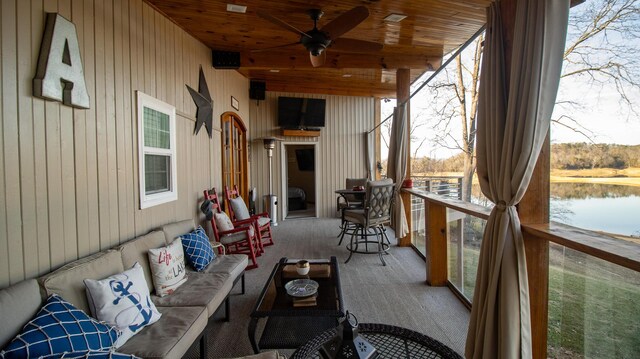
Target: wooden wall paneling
<point>100,105</point>
<point>68,167</point>
<point>26,149</point>
<point>112,166</point>
<point>54,177</point>
<point>80,144</point>
<point>11,236</point>
<point>4,239</point>
<point>149,50</point>
<point>129,144</point>
<point>137,46</point>
<point>121,170</point>
<point>40,148</point>
<point>91,150</point>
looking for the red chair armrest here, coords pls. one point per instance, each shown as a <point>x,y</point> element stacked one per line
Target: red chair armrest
<point>242,222</point>
<point>236,230</point>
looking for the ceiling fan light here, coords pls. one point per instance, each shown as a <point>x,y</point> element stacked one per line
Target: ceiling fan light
<point>241,9</point>
<point>395,17</point>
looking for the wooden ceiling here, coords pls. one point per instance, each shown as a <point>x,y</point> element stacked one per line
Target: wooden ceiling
<point>432,28</point>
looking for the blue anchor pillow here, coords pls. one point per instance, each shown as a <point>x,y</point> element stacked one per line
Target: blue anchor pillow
<point>122,301</point>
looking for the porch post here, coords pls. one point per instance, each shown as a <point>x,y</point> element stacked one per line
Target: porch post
<point>377,113</point>
<point>533,208</point>
<point>403,89</point>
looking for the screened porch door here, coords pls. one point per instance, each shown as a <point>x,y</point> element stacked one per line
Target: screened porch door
<point>234,154</point>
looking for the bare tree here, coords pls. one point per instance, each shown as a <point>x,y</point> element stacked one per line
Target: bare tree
<point>456,98</point>
<point>602,50</point>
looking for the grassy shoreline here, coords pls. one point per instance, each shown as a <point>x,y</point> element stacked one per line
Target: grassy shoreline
<point>624,177</point>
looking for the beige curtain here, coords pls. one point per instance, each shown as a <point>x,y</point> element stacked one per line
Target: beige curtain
<point>397,166</point>
<point>369,143</point>
<point>512,127</point>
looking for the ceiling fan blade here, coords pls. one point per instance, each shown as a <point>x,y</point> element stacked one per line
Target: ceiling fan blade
<point>317,61</point>
<point>353,45</point>
<point>281,23</point>
<point>275,47</point>
<point>346,22</point>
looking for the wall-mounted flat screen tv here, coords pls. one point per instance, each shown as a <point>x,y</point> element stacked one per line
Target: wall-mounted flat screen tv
<point>294,112</point>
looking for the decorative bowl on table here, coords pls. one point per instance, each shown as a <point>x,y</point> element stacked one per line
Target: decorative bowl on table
<point>301,288</point>
<point>302,267</point>
<point>358,188</point>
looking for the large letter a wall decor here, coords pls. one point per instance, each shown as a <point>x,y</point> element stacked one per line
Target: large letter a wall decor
<point>203,101</point>
<point>59,75</point>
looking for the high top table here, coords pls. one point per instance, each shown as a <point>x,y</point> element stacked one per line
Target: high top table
<point>288,326</point>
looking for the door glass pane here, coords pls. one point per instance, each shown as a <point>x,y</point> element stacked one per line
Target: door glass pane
<point>157,173</point>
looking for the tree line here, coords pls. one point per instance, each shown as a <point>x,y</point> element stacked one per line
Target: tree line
<point>573,156</point>
<point>567,156</point>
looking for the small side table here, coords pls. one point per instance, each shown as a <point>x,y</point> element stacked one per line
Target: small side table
<point>390,342</point>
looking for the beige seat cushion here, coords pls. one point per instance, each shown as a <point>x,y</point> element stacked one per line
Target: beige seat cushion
<point>18,304</point>
<point>68,280</point>
<point>231,264</point>
<point>176,229</point>
<point>136,250</point>
<point>263,220</point>
<point>200,290</point>
<point>171,336</point>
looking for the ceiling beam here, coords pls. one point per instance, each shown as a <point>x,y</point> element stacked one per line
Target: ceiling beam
<point>386,91</point>
<point>300,60</point>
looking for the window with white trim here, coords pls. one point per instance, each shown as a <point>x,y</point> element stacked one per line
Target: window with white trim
<point>157,151</point>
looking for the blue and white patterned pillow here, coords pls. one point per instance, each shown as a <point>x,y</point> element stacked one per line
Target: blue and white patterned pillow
<point>197,248</point>
<point>122,300</point>
<point>60,327</point>
<point>91,354</point>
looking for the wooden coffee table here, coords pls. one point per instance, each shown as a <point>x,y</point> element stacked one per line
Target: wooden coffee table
<point>290,324</point>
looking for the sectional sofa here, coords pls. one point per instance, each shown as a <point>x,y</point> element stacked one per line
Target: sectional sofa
<point>185,313</point>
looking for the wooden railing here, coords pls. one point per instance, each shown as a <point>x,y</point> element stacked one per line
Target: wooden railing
<point>610,249</point>
<point>613,250</point>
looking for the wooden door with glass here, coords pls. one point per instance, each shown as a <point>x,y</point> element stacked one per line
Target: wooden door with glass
<point>234,153</point>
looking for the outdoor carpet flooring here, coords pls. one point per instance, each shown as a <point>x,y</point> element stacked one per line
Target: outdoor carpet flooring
<point>396,294</point>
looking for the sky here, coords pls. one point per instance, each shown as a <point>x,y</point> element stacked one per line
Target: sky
<point>598,109</point>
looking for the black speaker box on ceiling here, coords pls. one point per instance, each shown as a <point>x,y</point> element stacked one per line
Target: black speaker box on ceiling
<point>225,59</point>
<point>257,90</point>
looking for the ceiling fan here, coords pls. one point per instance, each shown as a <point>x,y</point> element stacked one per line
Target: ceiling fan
<point>317,41</point>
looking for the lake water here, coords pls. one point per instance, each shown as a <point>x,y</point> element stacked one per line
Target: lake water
<point>599,207</point>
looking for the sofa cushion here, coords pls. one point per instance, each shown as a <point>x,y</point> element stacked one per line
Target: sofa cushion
<point>171,336</point>
<point>90,354</point>
<point>201,290</point>
<point>18,304</point>
<point>176,229</point>
<point>197,249</point>
<point>239,208</point>
<point>123,301</point>
<point>68,280</point>
<point>167,267</point>
<point>57,328</point>
<point>137,250</point>
<point>231,264</point>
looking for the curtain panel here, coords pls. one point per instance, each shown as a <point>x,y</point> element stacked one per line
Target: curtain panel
<point>397,163</point>
<point>512,126</point>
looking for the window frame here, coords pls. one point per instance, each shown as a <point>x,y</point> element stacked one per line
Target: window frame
<point>157,198</point>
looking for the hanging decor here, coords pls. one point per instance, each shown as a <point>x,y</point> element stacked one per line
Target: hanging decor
<point>59,74</point>
<point>202,98</point>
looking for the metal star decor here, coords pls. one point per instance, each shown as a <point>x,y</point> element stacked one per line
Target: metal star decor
<point>202,98</point>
